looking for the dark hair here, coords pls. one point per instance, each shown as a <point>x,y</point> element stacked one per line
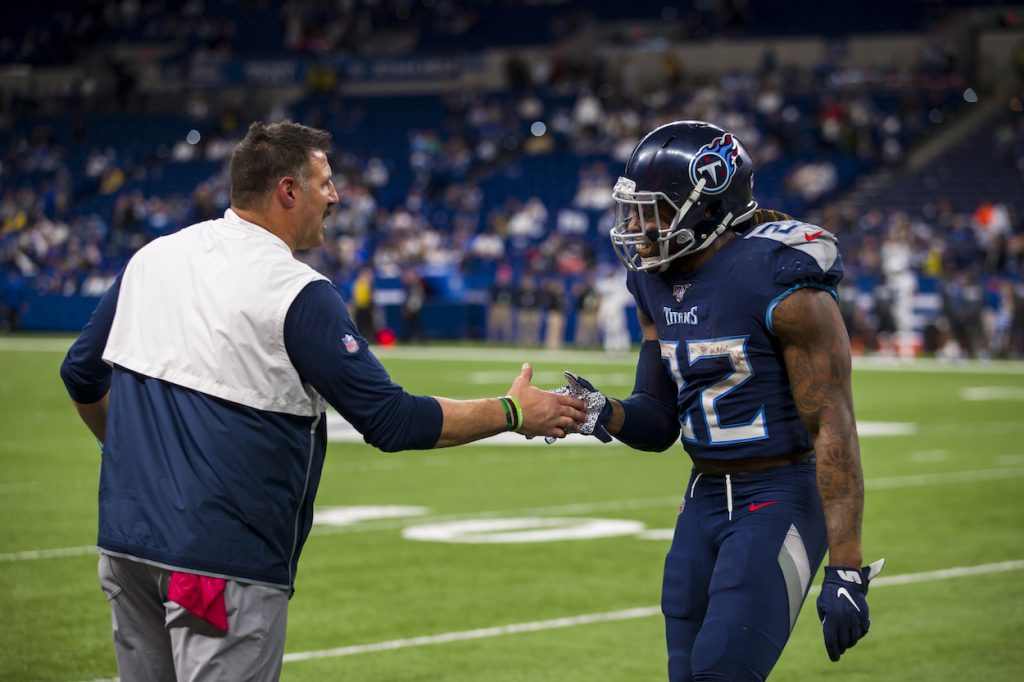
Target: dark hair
<point>268,153</point>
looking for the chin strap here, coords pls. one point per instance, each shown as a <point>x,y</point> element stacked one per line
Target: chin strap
<point>662,265</point>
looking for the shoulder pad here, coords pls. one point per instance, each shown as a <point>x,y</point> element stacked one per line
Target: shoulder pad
<point>803,253</point>
<point>816,242</point>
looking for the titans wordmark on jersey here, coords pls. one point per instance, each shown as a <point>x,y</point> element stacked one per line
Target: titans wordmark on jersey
<point>715,329</point>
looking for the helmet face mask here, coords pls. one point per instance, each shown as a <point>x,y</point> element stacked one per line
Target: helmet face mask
<point>684,184</point>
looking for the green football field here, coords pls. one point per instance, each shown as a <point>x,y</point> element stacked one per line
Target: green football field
<point>515,561</point>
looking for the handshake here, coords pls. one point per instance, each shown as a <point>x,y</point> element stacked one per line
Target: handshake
<point>599,410</point>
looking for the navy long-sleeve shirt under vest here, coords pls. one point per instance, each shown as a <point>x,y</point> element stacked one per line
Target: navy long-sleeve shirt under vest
<point>715,330</point>
<point>194,482</point>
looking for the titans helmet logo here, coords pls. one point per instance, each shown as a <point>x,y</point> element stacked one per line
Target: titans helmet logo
<point>716,164</point>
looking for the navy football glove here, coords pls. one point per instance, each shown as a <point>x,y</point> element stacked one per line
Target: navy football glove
<point>599,410</point>
<point>843,606</point>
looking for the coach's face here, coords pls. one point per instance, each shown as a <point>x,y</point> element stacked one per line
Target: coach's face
<point>317,198</point>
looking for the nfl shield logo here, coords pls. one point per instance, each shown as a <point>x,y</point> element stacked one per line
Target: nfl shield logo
<point>351,345</point>
<point>679,290</point>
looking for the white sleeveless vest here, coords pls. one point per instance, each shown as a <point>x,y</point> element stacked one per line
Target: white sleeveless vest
<point>204,308</point>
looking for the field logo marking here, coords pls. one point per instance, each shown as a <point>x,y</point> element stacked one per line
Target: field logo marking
<point>535,529</point>
<point>385,524</point>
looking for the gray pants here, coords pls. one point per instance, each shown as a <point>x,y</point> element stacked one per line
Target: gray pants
<point>156,640</point>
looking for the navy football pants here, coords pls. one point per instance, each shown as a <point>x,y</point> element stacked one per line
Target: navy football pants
<point>733,588</point>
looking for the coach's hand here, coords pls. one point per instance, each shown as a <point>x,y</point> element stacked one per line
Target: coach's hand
<point>546,413</point>
<point>843,606</point>
<point>599,410</point>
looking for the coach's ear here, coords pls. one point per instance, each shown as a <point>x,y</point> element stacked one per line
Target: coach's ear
<point>285,191</point>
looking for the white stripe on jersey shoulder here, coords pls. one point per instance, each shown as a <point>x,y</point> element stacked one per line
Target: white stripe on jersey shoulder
<point>816,242</point>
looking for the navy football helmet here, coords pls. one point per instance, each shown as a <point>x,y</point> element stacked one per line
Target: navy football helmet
<point>676,174</point>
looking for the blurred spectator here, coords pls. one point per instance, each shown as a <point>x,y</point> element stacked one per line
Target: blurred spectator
<point>528,313</point>
<point>364,309</point>
<point>587,302</point>
<point>426,190</point>
<point>503,299</point>
<point>963,304</point>
<point>857,326</point>
<point>530,220</point>
<point>1015,343</point>
<point>613,296</point>
<point>553,303</point>
<point>412,306</point>
<point>12,301</point>
<point>812,180</point>
<point>883,318</point>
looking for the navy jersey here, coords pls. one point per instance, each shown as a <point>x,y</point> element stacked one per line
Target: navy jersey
<point>715,329</point>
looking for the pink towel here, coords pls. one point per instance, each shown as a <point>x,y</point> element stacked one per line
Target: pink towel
<point>201,595</point>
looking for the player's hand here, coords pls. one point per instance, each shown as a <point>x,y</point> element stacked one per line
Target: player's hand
<point>546,413</point>
<point>843,606</point>
<point>599,410</point>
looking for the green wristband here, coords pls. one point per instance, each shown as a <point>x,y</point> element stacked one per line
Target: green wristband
<point>517,410</point>
<point>510,420</point>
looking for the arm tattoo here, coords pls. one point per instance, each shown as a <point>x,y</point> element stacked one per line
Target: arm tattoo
<point>817,356</point>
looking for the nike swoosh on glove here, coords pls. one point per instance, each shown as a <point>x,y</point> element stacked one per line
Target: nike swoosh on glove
<point>843,606</point>
<point>599,410</point>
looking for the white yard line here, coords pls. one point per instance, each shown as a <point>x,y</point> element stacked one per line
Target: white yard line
<point>443,638</point>
<point>992,393</point>
<point>944,478</point>
<point>874,364</point>
<point>946,573</point>
<point>515,355</point>
<point>32,555</point>
<point>608,616</point>
<point>518,355</point>
<point>603,617</point>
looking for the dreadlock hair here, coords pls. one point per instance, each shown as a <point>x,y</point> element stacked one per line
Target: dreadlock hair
<point>766,215</point>
<point>268,153</point>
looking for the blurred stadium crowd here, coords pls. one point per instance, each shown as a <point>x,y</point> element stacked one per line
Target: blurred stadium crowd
<point>500,196</point>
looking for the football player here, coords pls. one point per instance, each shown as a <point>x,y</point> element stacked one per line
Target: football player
<point>746,359</point>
